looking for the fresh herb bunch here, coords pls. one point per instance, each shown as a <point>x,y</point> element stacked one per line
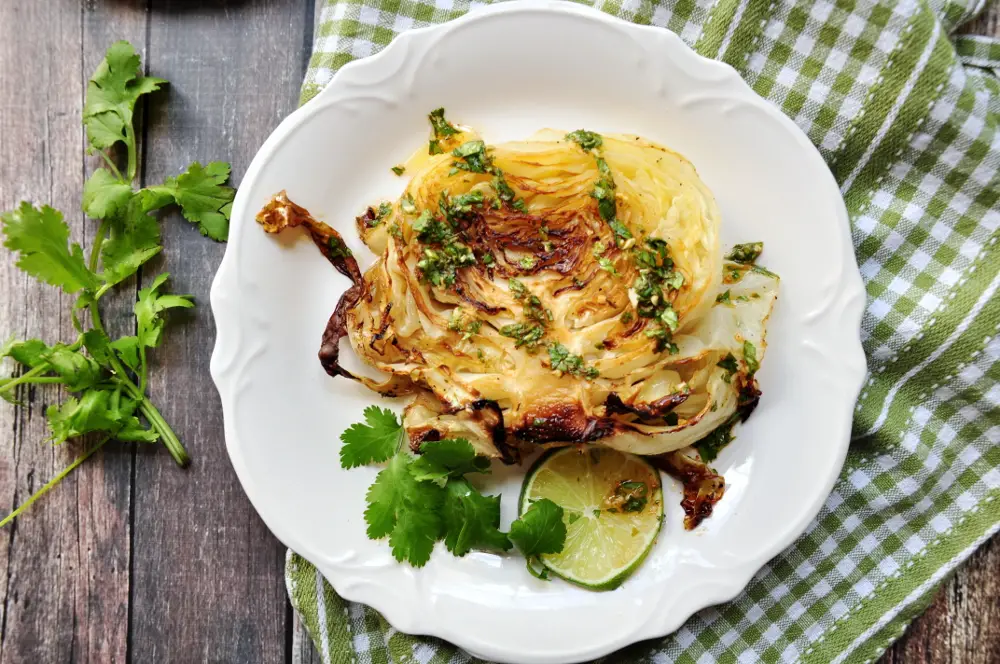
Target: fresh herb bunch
<point>108,378</point>
<point>417,501</point>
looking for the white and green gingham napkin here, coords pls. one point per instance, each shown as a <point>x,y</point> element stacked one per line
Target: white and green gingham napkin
<point>906,115</point>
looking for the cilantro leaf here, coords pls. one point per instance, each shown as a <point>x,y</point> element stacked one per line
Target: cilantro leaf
<point>372,442</point>
<point>540,529</point>
<point>441,459</point>
<point>98,409</point>
<point>41,237</point>
<point>76,417</point>
<point>104,194</point>
<point>111,96</point>
<point>406,510</point>
<point>98,345</point>
<point>77,371</point>
<point>127,349</point>
<point>471,520</point>
<point>202,196</point>
<point>30,353</point>
<point>134,240</point>
<point>150,307</point>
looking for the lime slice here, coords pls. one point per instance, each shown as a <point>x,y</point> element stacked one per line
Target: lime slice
<point>613,509</point>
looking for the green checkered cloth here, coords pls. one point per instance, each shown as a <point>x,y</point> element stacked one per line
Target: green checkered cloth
<point>906,115</point>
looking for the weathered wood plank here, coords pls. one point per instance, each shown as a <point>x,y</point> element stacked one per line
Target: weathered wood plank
<point>962,626</point>
<point>65,583</point>
<point>207,583</point>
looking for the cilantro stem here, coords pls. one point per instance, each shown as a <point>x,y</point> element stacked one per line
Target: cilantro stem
<point>26,377</point>
<point>95,251</point>
<point>30,375</point>
<point>111,164</point>
<point>170,439</point>
<point>41,380</point>
<point>130,144</point>
<point>143,368</point>
<point>54,481</point>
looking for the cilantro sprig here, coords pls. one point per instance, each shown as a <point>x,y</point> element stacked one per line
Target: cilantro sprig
<point>107,378</point>
<point>417,501</point>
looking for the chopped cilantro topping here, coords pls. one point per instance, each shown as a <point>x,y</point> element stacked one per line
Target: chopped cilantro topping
<point>599,249</point>
<point>524,334</point>
<point>458,207</point>
<point>517,289</point>
<point>538,317</point>
<point>746,253</point>
<point>439,265</point>
<point>431,230</point>
<point>730,364</point>
<point>604,192</point>
<point>399,170</point>
<point>732,273</point>
<point>656,279</point>
<point>710,446</point>
<point>442,130</point>
<point>606,265</point>
<point>473,156</point>
<point>750,357</point>
<point>476,159</point>
<point>587,140</point>
<point>338,249</point>
<point>627,317</point>
<point>632,495</point>
<point>375,217</point>
<point>763,270</point>
<point>527,262</point>
<point>724,298</point>
<point>488,259</point>
<point>567,362</point>
<point>459,323</point>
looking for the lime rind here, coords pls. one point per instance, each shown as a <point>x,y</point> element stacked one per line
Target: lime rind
<point>601,549</point>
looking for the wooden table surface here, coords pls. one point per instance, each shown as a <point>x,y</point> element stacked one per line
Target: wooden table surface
<point>132,559</point>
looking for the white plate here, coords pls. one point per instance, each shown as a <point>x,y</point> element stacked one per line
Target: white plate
<point>509,70</point>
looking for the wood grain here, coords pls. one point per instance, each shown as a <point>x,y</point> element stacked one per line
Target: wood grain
<point>207,586</point>
<point>65,595</point>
